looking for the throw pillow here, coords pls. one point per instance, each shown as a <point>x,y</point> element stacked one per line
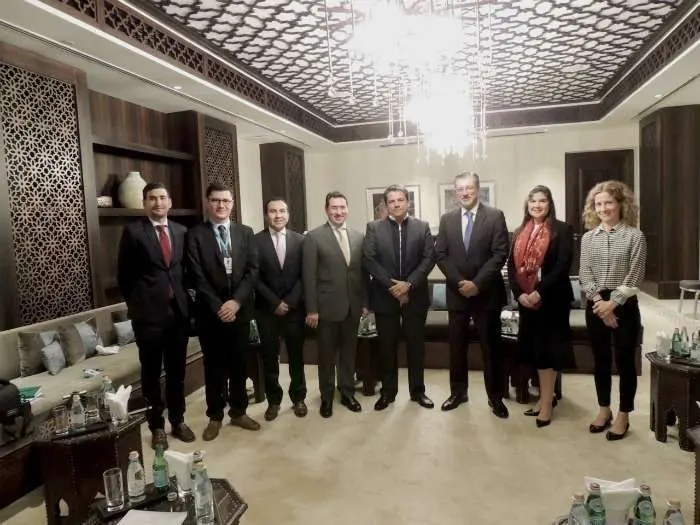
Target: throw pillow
<point>439,297</point>
<point>52,358</point>
<point>30,345</point>
<point>578,297</point>
<point>79,341</point>
<point>125,332</point>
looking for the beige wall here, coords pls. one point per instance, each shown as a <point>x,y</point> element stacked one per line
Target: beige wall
<point>515,164</point>
<point>250,183</point>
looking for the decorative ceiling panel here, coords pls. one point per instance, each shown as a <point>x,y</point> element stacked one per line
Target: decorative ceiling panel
<point>543,52</point>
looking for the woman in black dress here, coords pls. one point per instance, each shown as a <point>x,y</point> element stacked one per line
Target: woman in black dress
<point>538,271</point>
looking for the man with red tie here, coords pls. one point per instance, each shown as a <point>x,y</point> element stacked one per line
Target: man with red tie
<point>150,277</point>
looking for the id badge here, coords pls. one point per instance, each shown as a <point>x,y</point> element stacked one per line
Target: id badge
<point>228,264</point>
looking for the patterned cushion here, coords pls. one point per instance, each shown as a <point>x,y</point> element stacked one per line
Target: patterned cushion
<point>79,341</point>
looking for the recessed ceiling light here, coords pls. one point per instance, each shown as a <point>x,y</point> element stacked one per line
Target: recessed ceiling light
<point>658,95</point>
<point>177,88</point>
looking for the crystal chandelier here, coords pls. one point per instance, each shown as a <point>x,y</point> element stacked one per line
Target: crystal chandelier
<point>427,64</point>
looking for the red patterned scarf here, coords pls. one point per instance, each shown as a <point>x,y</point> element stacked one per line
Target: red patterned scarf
<point>528,254</point>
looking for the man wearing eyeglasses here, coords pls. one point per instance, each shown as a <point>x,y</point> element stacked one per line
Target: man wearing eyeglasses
<point>223,265</point>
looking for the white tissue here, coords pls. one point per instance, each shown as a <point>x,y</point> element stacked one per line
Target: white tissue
<point>119,402</point>
<point>180,464</point>
<point>618,497</point>
<point>107,350</point>
<point>663,342</point>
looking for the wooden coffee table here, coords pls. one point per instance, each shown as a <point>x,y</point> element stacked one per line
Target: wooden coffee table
<point>228,506</point>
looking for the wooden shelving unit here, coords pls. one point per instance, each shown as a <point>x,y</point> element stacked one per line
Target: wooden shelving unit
<point>163,147</point>
<point>130,149</point>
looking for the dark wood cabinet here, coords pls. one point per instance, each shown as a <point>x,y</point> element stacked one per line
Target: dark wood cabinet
<point>669,161</point>
<point>282,174</point>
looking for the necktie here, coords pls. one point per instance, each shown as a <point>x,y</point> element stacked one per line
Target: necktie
<point>343,241</point>
<point>280,248</point>
<point>164,239</point>
<point>224,241</point>
<point>468,230</point>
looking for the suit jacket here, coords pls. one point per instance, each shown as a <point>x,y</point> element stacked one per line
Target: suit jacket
<point>212,285</point>
<point>332,288</point>
<point>381,261</point>
<point>144,279</point>
<point>279,283</point>
<point>488,251</point>
<point>555,285</point>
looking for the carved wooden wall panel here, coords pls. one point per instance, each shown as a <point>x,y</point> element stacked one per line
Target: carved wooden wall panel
<point>221,163</point>
<point>41,151</point>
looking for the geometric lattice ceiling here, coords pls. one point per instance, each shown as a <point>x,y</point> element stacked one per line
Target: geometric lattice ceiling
<point>544,52</point>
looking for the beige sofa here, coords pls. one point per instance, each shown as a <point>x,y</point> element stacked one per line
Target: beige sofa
<point>19,468</point>
<point>122,368</point>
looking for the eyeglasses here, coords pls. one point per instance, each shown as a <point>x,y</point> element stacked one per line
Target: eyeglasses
<point>225,202</point>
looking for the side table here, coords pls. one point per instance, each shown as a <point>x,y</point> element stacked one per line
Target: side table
<point>72,467</point>
<point>674,388</point>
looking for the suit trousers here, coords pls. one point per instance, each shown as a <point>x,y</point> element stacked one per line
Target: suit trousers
<point>291,328</point>
<point>389,328</point>
<point>337,342</point>
<point>625,339</point>
<point>225,346</point>
<point>488,328</point>
<point>163,346</point>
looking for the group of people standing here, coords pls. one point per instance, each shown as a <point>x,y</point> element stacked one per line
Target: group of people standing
<point>333,275</point>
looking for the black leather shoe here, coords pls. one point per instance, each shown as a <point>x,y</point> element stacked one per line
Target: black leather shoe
<point>272,412</point>
<point>612,436</point>
<point>326,409</point>
<point>499,408</point>
<point>300,409</point>
<point>423,400</point>
<point>454,401</point>
<point>597,429</point>
<point>183,433</point>
<point>351,404</point>
<point>382,403</point>
<point>542,422</point>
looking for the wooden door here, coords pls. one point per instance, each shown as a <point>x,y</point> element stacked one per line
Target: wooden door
<point>583,171</point>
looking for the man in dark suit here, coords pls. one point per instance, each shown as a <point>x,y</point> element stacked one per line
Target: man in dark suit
<point>150,277</point>
<point>279,307</point>
<point>398,253</point>
<point>334,291</point>
<point>223,263</point>
<point>471,249</point>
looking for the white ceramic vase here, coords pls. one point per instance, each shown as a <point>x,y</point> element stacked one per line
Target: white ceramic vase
<point>131,191</point>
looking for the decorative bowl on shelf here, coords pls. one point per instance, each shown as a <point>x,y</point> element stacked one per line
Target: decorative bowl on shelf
<point>131,191</point>
<point>104,201</point>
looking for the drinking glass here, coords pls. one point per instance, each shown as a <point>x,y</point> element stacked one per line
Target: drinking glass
<point>92,409</point>
<point>61,419</point>
<point>114,488</point>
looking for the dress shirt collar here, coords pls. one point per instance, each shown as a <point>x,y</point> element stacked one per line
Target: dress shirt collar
<point>474,210</point>
<point>226,224</point>
<point>344,226</point>
<point>163,222</point>
<point>274,232</point>
<point>617,228</point>
<point>392,219</point>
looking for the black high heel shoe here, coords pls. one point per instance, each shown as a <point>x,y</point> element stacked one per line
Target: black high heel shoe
<point>597,429</point>
<point>534,413</point>
<point>612,436</point>
<point>542,422</point>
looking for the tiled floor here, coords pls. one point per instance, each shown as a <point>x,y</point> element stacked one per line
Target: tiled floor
<point>408,465</point>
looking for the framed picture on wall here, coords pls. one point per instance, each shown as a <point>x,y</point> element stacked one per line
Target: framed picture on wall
<point>376,209</point>
<point>448,199</point>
